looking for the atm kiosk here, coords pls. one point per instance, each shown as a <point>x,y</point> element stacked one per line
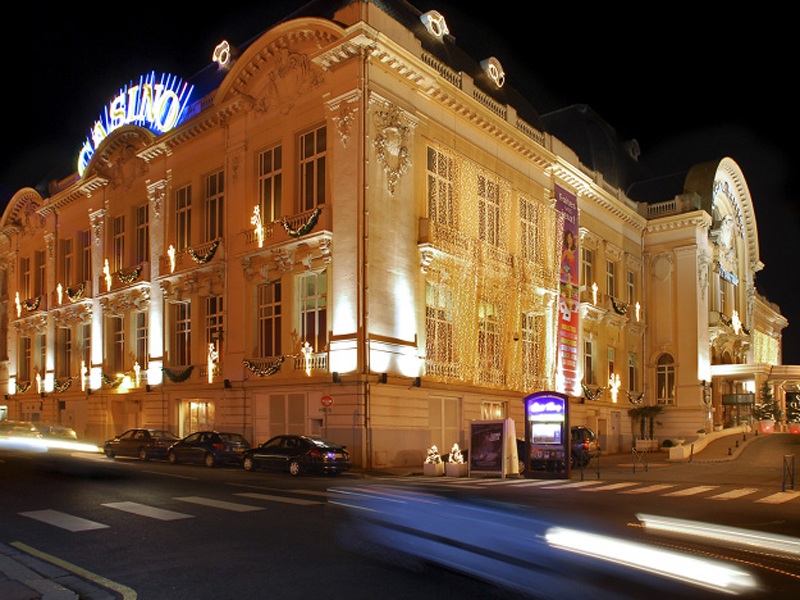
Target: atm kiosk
<point>547,437</point>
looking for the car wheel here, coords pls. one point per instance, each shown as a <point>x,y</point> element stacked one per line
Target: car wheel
<point>248,464</point>
<point>109,454</point>
<point>173,458</point>
<point>294,468</point>
<point>209,460</point>
<point>143,454</point>
<point>521,466</point>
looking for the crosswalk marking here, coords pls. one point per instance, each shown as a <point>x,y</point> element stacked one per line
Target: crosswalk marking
<point>699,489</point>
<point>63,520</point>
<point>313,493</point>
<point>284,499</point>
<point>737,493</point>
<point>779,498</point>
<point>650,489</point>
<point>573,484</point>
<point>148,511</point>
<point>609,487</point>
<point>232,506</point>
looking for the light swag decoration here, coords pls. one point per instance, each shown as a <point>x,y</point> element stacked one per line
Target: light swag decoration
<point>112,383</point>
<point>202,259</point>
<point>59,387</point>
<point>21,389</point>
<point>31,305</point>
<point>264,371</point>
<point>305,227</point>
<point>129,277</point>
<point>491,269</point>
<point>590,395</point>
<point>635,400</point>
<point>178,376</point>
<point>391,144</point>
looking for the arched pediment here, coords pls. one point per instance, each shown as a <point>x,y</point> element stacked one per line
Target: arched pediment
<point>277,69</point>
<point>722,189</point>
<point>117,159</point>
<point>22,212</point>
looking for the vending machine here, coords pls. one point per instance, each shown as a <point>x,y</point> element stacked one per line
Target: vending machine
<point>547,439</point>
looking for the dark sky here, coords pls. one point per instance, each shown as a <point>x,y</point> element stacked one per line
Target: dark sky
<point>689,84</point>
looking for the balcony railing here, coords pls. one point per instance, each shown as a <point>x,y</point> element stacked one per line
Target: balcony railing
<point>190,258</point>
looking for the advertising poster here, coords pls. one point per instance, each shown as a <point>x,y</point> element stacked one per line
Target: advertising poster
<point>567,376</point>
<point>487,447</point>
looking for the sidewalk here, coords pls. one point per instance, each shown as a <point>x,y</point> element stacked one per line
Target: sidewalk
<point>27,577</point>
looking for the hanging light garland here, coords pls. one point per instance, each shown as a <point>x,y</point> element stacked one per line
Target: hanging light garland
<point>264,371</point>
<point>305,227</point>
<point>202,259</point>
<point>492,278</point>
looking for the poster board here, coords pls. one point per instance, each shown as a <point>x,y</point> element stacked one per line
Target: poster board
<point>493,448</point>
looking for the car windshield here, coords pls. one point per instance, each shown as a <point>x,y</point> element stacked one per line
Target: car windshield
<point>232,437</point>
<point>319,442</point>
<point>163,434</point>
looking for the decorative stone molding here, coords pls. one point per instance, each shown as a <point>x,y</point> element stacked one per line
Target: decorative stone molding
<point>96,220</point>
<point>346,107</point>
<point>293,76</point>
<point>392,141</point>
<point>156,194</point>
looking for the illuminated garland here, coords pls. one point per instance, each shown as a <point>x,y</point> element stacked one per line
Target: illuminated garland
<point>592,396</point>
<point>635,399</point>
<point>492,264</point>
<point>74,297</point>
<point>112,383</point>
<point>61,387</point>
<point>180,377</point>
<point>31,306</point>
<point>201,260</point>
<point>129,277</point>
<point>264,371</point>
<point>21,389</point>
<point>621,308</point>
<point>305,228</point>
<point>728,322</point>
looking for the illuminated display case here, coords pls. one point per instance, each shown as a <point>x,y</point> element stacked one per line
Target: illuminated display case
<point>547,435</point>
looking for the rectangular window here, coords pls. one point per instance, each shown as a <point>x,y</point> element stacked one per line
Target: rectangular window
<point>488,211</point>
<point>142,352</point>
<point>631,283</point>
<point>493,410</point>
<point>116,327</point>
<point>41,354</point>
<point>314,310</point>
<point>441,181</point>
<point>588,363</point>
<point>40,272</point>
<point>183,334</point>
<point>632,381</point>
<point>215,205</point>
<point>24,368</point>
<point>532,331</point>
<point>86,345</point>
<point>529,228</point>
<point>270,183</point>
<point>142,234</point>
<point>587,267</point>
<point>313,156</point>
<point>118,243</point>
<point>611,278</point>
<point>214,321</point>
<point>85,242</point>
<point>270,319</point>
<point>489,341</point>
<point>611,362</point>
<point>25,278</point>
<point>439,331</point>
<point>183,222</point>
<point>64,353</point>
<point>65,262</point>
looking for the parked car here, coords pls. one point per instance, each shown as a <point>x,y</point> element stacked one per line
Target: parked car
<point>297,454</point>
<point>141,443</point>
<point>17,429</point>
<point>584,445</point>
<point>208,447</point>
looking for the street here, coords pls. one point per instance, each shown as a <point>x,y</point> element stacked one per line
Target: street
<point>177,531</point>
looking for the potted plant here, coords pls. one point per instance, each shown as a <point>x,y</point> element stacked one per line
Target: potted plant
<point>646,417</point>
<point>768,411</point>
<point>455,466</point>
<point>433,466</point>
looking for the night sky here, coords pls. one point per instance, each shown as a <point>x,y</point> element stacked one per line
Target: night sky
<point>689,87</point>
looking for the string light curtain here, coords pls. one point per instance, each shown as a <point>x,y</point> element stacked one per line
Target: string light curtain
<point>492,284</point>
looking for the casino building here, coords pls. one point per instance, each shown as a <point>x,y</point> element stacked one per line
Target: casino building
<point>349,227</point>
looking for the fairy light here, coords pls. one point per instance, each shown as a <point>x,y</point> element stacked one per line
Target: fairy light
<point>213,355</point>
<point>255,221</point>
<point>307,351</point>
<point>638,311</point>
<point>137,371</point>
<point>594,293</point>
<point>614,385</point>
<point>484,285</point>
<point>18,305</point>
<point>107,276</point>
<point>60,292</point>
<point>171,254</point>
<point>83,375</point>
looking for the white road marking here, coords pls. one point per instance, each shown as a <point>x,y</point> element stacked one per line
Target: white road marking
<point>233,506</point>
<point>779,498</point>
<point>699,489</point>
<point>148,511</point>
<point>63,520</point>
<point>650,488</point>
<point>733,494</point>
<point>284,499</point>
<point>609,487</point>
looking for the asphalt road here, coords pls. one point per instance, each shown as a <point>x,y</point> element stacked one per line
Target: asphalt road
<point>178,531</point>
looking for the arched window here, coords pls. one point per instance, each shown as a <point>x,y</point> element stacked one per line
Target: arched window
<point>665,379</point>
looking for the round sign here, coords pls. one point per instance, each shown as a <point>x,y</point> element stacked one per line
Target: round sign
<point>326,401</point>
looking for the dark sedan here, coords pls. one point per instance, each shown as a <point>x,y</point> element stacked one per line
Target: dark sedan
<point>208,447</point>
<point>298,454</point>
<point>141,443</point>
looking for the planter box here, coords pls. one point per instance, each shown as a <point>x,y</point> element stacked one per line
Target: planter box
<point>794,427</point>
<point>433,469</point>
<point>456,469</point>
<point>766,426</point>
<point>646,444</point>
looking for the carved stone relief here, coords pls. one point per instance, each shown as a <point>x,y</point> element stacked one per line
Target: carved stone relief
<point>293,76</point>
<point>392,140</point>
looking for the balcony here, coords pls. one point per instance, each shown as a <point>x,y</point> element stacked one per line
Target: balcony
<point>124,278</point>
<point>287,229</point>
<point>180,261</point>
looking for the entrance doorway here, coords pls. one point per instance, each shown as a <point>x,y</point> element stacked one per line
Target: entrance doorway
<point>198,415</point>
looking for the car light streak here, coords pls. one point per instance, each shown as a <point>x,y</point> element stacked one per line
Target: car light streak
<point>687,569</point>
<point>732,536</point>
<point>43,445</point>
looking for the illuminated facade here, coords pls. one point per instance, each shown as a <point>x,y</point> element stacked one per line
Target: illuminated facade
<point>358,232</point>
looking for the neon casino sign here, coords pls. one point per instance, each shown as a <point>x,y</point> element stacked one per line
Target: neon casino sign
<point>156,102</point>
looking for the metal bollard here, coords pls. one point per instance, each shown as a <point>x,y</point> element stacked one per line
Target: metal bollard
<point>788,470</point>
